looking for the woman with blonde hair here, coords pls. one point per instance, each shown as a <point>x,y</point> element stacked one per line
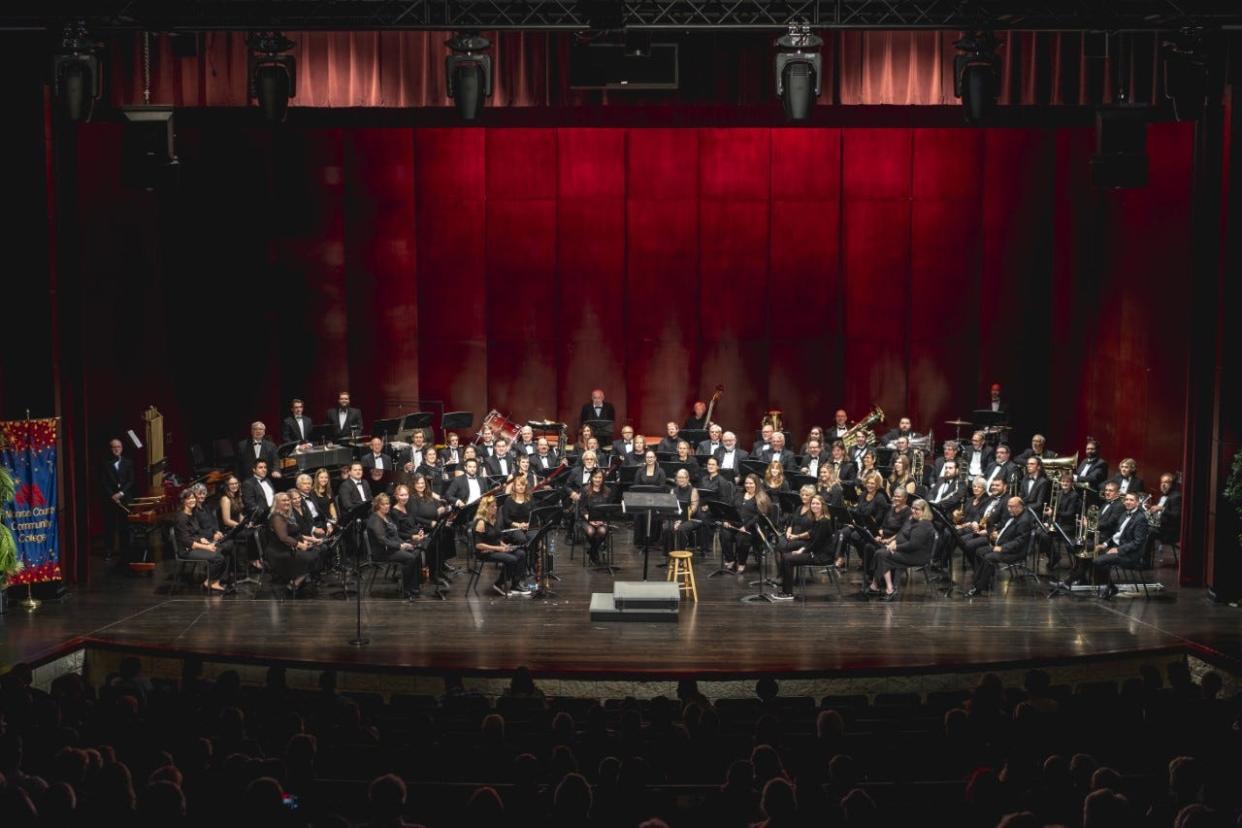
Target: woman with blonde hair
<point>489,545</point>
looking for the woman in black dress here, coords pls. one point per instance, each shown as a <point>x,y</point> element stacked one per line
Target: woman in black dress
<point>193,545</point>
<point>321,491</point>
<point>686,456</point>
<point>292,556</point>
<point>736,541</point>
<point>489,545</point>
<point>515,511</point>
<point>798,531</point>
<point>594,527</point>
<point>387,545</point>
<point>911,547</point>
<point>649,474</point>
<point>428,510</point>
<point>774,479</point>
<point>815,549</point>
<point>870,509</point>
<point>680,531</point>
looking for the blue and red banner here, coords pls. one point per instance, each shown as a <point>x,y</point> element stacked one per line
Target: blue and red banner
<point>28,451</point>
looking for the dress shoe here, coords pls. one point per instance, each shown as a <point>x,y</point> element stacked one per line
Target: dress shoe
<point>889,596</point>
<point>1108,591</point>
<point>973,592</point>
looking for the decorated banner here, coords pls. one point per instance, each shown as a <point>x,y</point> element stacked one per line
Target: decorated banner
<point>28,453</point>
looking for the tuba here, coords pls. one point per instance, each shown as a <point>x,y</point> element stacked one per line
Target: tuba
<point>1056,465</point>
<point>864,426</point>
<point>772,418</point>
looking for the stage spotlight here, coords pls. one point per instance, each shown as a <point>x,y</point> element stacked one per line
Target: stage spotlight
<point>799,67</point>
<point>1186,73</point>
<point>975,75</point>
<point>273,75</point>
<point>76,81</point>
<point>468,71</point>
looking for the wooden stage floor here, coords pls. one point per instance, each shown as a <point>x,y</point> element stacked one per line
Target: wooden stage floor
<point>718,637</point>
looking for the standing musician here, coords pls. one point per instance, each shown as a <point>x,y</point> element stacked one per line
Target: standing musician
<point>816,433</point>
<point>774,478</point>
<point>895,519</point>
<point>500,464</point>
<point>872,504</point>
<point>489,545</point>
<point>764,442</point>
<point>668,445</point>
<point>515,512</point>
<point>193,545</point>
<point>597,409</point>
<point>813,547</point>
<point>317,516</point>
<point>1039,449</point>
<point>1002,468</point>
<point>296,428</point>
<point>813,457</point>
<point>118,487</point>
<point>258,447</point>
<point>1068,502</point>
<point>911,547</point>
<point>343,421</point>
<point>995,402</point>
<point>353,491</point>
<point>975,533</point>
<point>1035,488</point>
<point>679,531</point>
<point>736,541</point>
<point>292,556</point>
<point>257,492</point>
<point>375,457</point>
<point>840,425</point>
<point>903,429</point>
<point>713,441</point>
<point>778,453</point>
<point>625,446</point>
<point>901,479</point>
<point>697,421</point>
<point>1127,479</point>
<point>1093,470</point>
<point>545,460</point>
<point>409,533</point>
<point>977,459</point>
<point>729,455</point>
<point>466,488</point>
<point>1167,511</point>
<point>1125,546</point>
<point>594,527</point>
<point>1009,546</point>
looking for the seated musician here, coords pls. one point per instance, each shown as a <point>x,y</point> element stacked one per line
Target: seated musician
<point>325,501</point>
<point>720,489</point>
<point>624,446</point>
<point>595,527</point>
<point>895,519</point>
<point>1125,546</point>
<point>1127,478</point>
<point>387,545</point>
<point>1035,488</point>
<point>466,488</point>
<point>901,448</point>
<point>764,443</point>
<point>525,443</point>
<point>798,529</point>
<point>468,453</point>
<point>194,545</point>
<point>1167,510</point>
<point>971,509</point>
<point>232,509</point>
<point>375,457</point>
<point>490,545</point>
<point>344,422</point>
<point>296,428</point>
<point>774,478</point>
<point>1069,501</point>
<point>978,457</point>
<point>1093,470</point>
<point>840,425</point>
<point>1002,468</point>
<point>975,531</point>
<point>903,429</point>
<point>487,443</point>
<point>680,532</point>
<point>856,451</point>
<point>948,454</point>
<point>418,444</point>
<point>872,505</point>
<point>713,442</point>
<point>545,460</point>
<point>816,433</point>
<point>313,506</point>
<point>813,457</point>
<point>1107,521</point>
<point>947,493</point>
<point>729,455</point>
<point>736,541</point>
<point>430,467</point>
<point>291,555</point>
<point>1039,449</point>
<point>650,473</point>
<point>208,525</point>
<point>302,516</point>
<point>427,510</point>
<point>847,471</point>
<point>500,465</point>
<point>911,547</point>
<point>779,454</point>
<point>684,456</point>
<point>376,477</point>
<point>697,421</point>
<point>869,467</point>
<point>258,447</point>
<point>452,449</point>
<point>638,455</point>
<point>828,486</point>
<point>580,475</point>
<point>668,445</point>
<point>901,477</point>
<point>1009,546</point>
<point>257,492</point>
<point>515,512</point>
<point>814,546</point>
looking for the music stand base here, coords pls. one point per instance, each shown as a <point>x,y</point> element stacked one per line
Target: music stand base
<point>359,642</point>
<point>757,598</point>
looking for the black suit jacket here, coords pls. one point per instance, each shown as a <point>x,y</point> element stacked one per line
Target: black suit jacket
<point>347,496</point>
<point>789,460</point>
<point>459,489</point>
<point>353,419</point>
<point>1136,485</point>
<point>1013,540</point>
<point>118,478</point>
<point>607,412</point>
<point>953,494</point>
<point>739,454</point>
<point>492,464</point>
<point>368,461</point>
<point>847,474</point>
<point>536,463</point>
<point>253,498</point>
<point>668,445</point>
<point>618,448</point>
<point>1095,475</point>
<point>1007,471</point>
<point>289,430</point>
<point>1133,537</point>
<point>968,455</point>
<point>916,540</point>
<point>246,456</point>
<point>1021,459</point>
<point>1038,495</point>
<point>705,448</point>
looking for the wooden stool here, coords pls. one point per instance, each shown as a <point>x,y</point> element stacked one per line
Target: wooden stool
<point>681,569</point>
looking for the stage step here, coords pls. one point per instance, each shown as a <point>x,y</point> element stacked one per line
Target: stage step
<point>646,595</point>
<point>604,608</point>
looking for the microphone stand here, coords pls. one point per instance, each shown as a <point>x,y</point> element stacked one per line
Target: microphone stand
<point>356,522</point>
<point>766,548</point>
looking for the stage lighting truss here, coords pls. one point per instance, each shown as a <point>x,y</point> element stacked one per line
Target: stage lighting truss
<point>273,73</point>
<point>799,68</point>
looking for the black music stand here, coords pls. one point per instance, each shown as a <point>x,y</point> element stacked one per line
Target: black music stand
<point>797,480</point>
<point>706,498</point>
<point>601,430</point>
<point>455,421</point>
<point>547,518</point>
<point>671,467</point>
<point>766,532</point>
<point>653,499</point>
<point>356,522</point>
<point>755,467</point>
<point>693,436</point>
<point>320,434</point>
<point>724,513</point>
<point>417,421</point>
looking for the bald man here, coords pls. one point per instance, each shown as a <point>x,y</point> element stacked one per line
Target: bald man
<point>1009,546</point>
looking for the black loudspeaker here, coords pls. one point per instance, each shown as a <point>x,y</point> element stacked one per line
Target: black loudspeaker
<point>1120,159</point>
<point>148,153</point>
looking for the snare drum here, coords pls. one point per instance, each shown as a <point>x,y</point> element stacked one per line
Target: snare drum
<point>501,426</point>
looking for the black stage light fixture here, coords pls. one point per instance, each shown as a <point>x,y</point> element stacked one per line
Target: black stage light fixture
<point>799,67</point>
<point>76,80</point>
<point>975,74</point>
<point>273,74</point>
<point>468,71</point>
<point>1186,73</point>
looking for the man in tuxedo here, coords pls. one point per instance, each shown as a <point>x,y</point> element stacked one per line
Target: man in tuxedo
<point>814,457</point>
<point>729,456</point>
<point>545,460</point>
<point>343,421</point>
<point>903,429</point>
<point>625,445</point>
<point>466,488</point>
<point>995,402</point>
<point>1039,448</point>
<point>1002,468</point>
<point>1127,478</point>
<point>296,428</point>
<point>779,453</point>
<point>859,448</point>
<point>764,442</point>
<point>840,425</point>
<point>708,447</point>
<point>847,471</point>
<point>668,445</point>
<point>978,457</point>
<point>947,493</point>
<point>502,461</point>
<point>118,489</point>
<point>256,448</point>
<point>948,455</point>
<point>487,445</point>
<point>1093,470</point>
<point>597,409</point>
<point>1009,546</point>
<point>353,491</point>
<point>257,491</point>
<point>525,443</point>
<point>452,449</point>
<point>1125,546</point>
<point>375,457</point>
<point>1169,508</point>
<point>1035,488</point>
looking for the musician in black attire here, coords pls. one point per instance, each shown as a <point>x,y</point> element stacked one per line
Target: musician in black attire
<point>376,458</point>
<point>430,467</point>
<point>1002,468</point>
<point>687,459</point>
<point>343,421</point>
<point>1039,449</point>
<point>353,491</point>
<point>502,462</point>
<point>1125,546</point>
<point>668,445</point>
<point>194,546</point>
<point>257,492</point>
<point>698,420</point>
<point>258,447</point>
<point>736,541</point>
<point>489,545</point>
<point>291,556</point>
<point>871,506</point>
<point>1035,488</point>
<point>895,519</point>
<point>515,512</point>
<point>638,455</point>
<point>544,461</point>
<point>714,486</point>
<point>296,428</point>
<point>1168,508</point>
<point>1093,470</point>
<point>649,475</point>
<point>465,488</point>
<point>1107,521</point>
<point>974,532</point>
<point>387,545</point>
<point>1127,478</point>
<point>597,409</point>
<point>208,524</point>
<point>427,510</point>
<point>1008,547</point>
<point>594,527</point>
<point>315,507</point>
<point>625,444</point>
<point>1069,500</point>
<point>847,470</point>
<point>904,429</point>
<point>911,547</point>
<point>812,550</point>
<point>302,516</point>
<point>798,527</point>
<point>118,488</point>
<point>679,531</point>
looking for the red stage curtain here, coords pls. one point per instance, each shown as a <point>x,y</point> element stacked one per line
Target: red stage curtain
<point>406,69</point>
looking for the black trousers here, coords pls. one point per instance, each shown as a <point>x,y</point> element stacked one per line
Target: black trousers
<point>790,561</point>
<point>216,562</point>
<point>116,528</point>
<point>985,569</point>
<point>1104,564</point>
<point>685,536</point>
<point>886,561</point>
<point>735,545</point>
<point>514,564</point>
<point>976,547</point>
<point>411,563</point>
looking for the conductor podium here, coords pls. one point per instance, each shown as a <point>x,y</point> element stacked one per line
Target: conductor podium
<point>637,601</point>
